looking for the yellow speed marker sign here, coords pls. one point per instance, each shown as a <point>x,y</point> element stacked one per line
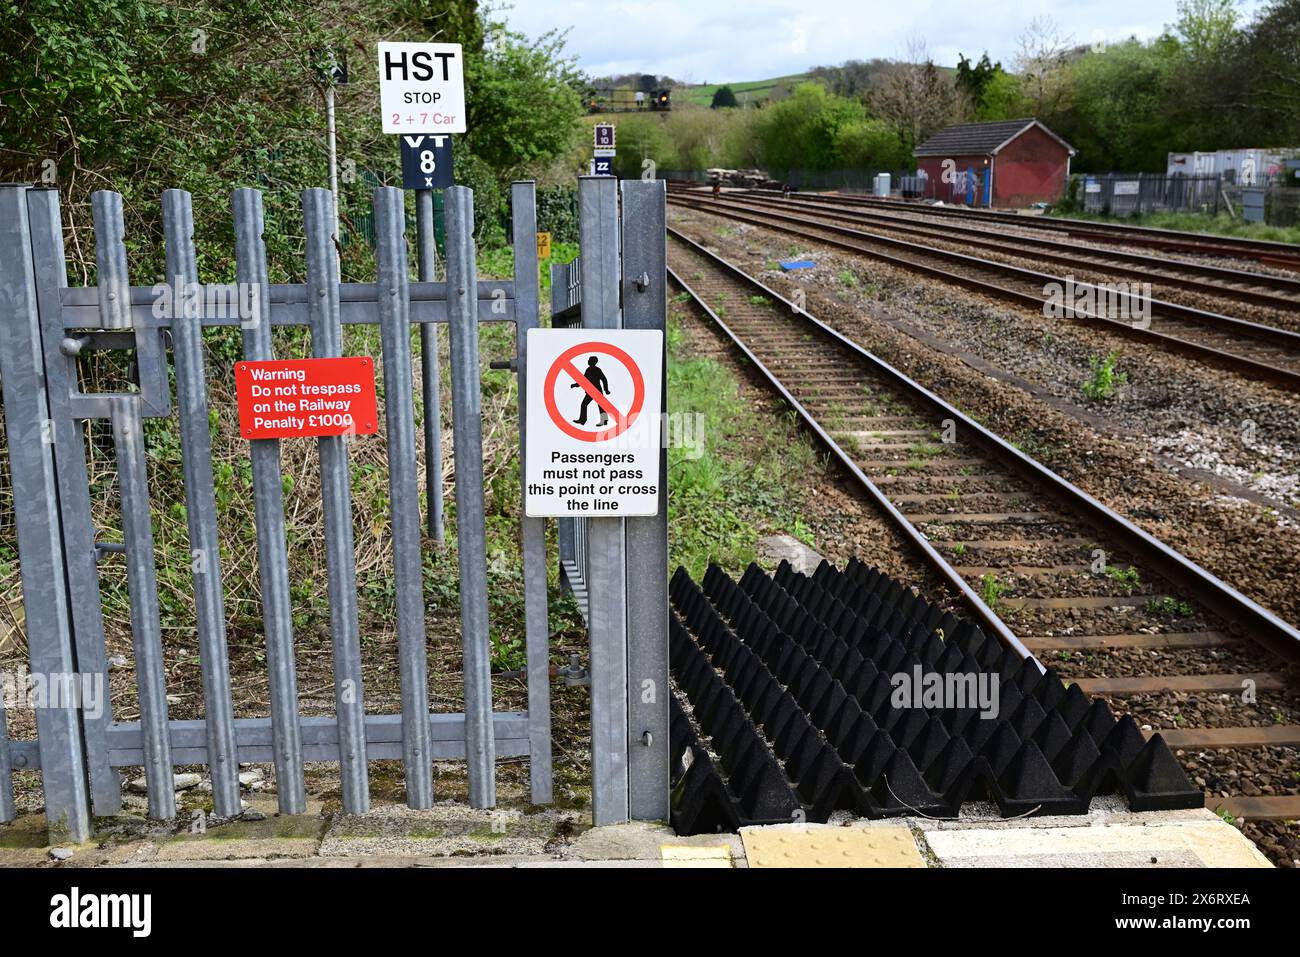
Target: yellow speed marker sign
<point>543,245</point>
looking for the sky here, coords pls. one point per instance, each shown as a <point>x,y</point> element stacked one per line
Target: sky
<point>708,41</point>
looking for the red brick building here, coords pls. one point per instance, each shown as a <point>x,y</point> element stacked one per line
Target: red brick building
<point>1010,163</point>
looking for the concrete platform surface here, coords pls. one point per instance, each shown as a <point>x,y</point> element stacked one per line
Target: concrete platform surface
<point>453,835</point>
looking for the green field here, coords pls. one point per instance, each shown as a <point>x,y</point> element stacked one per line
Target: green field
<point>756,90</point>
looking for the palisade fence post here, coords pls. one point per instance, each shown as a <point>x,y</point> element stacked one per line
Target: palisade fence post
<point>645,306</point>
<point>564,527</point>
<point>523,206</point>
<point>336,499</point>
<point>7,810</point>
<point>40,543</point>
<point>46,230</point>
<point>471,539</point>
<point>430,378</point>
<point>127,415</point>
<point>394,294</point>
<point>200,502</point>
<point>146,621</point>
<point>268,503</point>
<point>603,557</point>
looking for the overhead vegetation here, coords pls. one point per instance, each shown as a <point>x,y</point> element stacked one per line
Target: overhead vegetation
<point>143,95</point>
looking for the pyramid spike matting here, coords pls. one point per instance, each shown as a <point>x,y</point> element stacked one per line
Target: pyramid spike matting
<point>796,696</point>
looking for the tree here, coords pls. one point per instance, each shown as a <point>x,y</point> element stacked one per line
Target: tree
<point>915,98</point>
<point>1116,114</point>
<point>973,79</point>
<point>852,78</point>
<point>142,95</point>
<point>723,97</point>
<point>1003,98</point>
<point>523,105</point>
<point>1267,53</point>
<point>805,130</point>
<point>1206,28</point>
<point>1041,59</point>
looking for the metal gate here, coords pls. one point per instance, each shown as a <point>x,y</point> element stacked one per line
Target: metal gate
<point>44,325</point>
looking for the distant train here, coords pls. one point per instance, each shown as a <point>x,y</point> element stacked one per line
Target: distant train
<point>607,100</point>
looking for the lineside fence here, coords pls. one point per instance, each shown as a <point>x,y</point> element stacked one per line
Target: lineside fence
<point>45,325</point>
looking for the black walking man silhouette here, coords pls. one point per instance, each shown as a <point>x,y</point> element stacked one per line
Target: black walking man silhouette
<point>596,376</point>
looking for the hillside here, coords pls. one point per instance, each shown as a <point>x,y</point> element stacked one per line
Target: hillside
<point>756,90</point>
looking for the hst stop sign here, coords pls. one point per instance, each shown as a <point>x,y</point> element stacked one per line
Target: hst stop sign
<point>422,87</point>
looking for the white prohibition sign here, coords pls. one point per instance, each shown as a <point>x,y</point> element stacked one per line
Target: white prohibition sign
<point>594,424</point>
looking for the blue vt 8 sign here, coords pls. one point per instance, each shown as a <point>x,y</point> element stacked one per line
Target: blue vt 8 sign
<point>426,161</point>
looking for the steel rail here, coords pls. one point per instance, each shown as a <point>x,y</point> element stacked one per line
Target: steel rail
<point>1283,293</point>
<point>1242,614</point>
<point>1251,330</point>
<point>1263,250</point>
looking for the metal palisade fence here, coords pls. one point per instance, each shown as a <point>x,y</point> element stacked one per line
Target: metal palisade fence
<point>44,325</point>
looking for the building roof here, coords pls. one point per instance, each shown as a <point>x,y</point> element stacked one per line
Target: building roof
<point>973,139</point>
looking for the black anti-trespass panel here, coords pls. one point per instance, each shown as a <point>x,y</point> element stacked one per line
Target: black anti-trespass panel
<point>791,680</point>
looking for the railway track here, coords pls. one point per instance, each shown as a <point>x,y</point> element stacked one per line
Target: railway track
<point>1266,252</point>
<point>1261,351</point>
<point>1049,570</point>
<point>1234,285</point>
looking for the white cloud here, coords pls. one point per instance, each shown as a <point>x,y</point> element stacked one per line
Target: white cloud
<point>702,41</point>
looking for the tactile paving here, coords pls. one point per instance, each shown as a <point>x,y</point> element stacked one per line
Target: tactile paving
<point>827,846</point>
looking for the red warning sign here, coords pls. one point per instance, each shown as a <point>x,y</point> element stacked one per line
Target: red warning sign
<point>294,398</point>
<point>595,383</point>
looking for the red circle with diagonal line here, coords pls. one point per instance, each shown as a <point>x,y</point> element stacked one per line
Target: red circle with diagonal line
<point>622,421</point>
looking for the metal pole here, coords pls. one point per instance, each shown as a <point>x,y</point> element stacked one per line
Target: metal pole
<point>430,376</point>
<point>645,306</point>
<point>268,509</point>
<point>146,623</point>
<point>603,572</point>
<point>334,161</point>
<point>403,490</point>
<point>46,229</point>
<point>40,543</point>
<point>523,204</point>
<point>471,536</point>
<point>336,502</point>
<point>200,503</point>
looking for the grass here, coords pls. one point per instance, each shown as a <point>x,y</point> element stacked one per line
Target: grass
<point>751,91</point>
<point>1124,576</point>
<point>1104,380</point>
<point>1168,607</point>
<point>746,484</point>
<point>991,590</point>
<point>1221,225</point>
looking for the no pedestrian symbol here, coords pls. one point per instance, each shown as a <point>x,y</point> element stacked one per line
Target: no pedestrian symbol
<point>593,426</point>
